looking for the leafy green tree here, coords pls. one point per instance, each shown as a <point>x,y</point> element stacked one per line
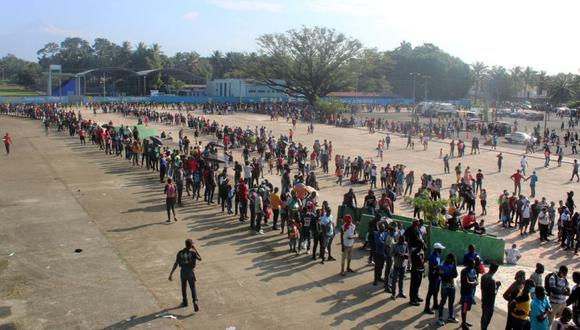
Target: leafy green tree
<point>329,106</point>
<point>313,61</point>
<point>371,70</point>
<point>29,75</point>
<point>75,55</point>
<point>449,76</point>
<point>48,53</point>
<point>500,86</point>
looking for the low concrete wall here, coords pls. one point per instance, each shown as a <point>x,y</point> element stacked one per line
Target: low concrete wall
<point>489,247</point>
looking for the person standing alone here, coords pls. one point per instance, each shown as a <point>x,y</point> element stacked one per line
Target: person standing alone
<point>7,143</point>
<point>186,260</point>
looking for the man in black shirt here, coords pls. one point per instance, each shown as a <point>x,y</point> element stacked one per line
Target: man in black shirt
<point>489,287</point>
<point>186,260</point>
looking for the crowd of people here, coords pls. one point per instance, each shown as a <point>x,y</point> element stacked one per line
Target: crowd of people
<point>294,207</point>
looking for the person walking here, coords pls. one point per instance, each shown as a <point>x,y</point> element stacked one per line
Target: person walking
<point>499,161</point>
<point>575,168</point>
<point>524,164</point>
<point>7,143</point>
<point>171,193</point>
<point>448,273</point>
<point>186,259</point>
<point>446,164</point>
<point>489,288</point>
<point>434,279</point>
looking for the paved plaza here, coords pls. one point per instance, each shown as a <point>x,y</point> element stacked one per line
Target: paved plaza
<point>57,196</point>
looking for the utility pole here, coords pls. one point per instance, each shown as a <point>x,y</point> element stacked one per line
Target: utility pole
<point>104,85</point>
<point>425,84</point>
<point>414,75</point>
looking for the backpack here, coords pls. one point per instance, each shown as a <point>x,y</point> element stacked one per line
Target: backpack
<point>547,282</point>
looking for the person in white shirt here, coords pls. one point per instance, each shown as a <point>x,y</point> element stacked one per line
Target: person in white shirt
<point>526,212</point>
<point>512,255</point>
<point>347,241</point>
<point>524,164</point>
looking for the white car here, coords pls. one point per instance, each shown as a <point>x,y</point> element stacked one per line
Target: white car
<point>519,137</point>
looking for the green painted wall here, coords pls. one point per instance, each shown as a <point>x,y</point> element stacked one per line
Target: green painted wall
<point>489,247</point>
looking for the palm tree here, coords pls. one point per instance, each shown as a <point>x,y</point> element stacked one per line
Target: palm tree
<point>516,77</point>
<point>479,70</point>
<point>541,82</point>
<point>561,89</point>
<point>528,77</point>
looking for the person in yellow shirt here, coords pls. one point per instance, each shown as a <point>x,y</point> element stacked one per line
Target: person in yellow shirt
<point>519,308</point>
<point>275,202</point>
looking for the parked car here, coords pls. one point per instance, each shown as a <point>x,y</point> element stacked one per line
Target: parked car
<point>533,116</point>
<point>519,137</point>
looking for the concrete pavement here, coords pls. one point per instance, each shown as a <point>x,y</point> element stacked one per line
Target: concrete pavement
<point>115,213</point>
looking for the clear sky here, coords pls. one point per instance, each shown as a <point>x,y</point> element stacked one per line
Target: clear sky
<point>542,34</point>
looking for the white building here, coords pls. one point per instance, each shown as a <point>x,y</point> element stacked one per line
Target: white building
<point>242,88</point>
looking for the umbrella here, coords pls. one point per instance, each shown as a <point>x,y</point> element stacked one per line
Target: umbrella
<point>213,158</point>
<point>156,140</point>
<point>215,144</point>
<point>302,190</point>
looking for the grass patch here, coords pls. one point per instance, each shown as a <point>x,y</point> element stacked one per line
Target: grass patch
<point>16,90</point>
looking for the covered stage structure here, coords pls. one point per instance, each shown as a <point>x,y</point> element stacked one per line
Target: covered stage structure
<point>115,81</point>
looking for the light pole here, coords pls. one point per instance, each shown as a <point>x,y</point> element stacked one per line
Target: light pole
<point>104,85</point>
<point>414,75</point>
<point>425,84</point>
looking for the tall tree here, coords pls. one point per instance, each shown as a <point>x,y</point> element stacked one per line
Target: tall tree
<point>541,82</point>
<point>479,70</point>
<point>528,76</point>
<point>371,70</point>
<point>516,78</point>
<point>561,89</point>
<point>500,87</point>
<point>47,53</point>
<point>313,61</point>
<point>450,77</point>
<point>75,55</point>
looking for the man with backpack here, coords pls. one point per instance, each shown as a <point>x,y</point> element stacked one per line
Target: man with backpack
<point>557,288</point>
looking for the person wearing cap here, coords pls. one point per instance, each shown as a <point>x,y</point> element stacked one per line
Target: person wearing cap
<point>308,218</point>
<point>434,279</point>
<point>186,260</point>
<point>347,241</point>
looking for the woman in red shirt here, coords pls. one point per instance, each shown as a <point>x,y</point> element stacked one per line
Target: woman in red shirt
<point>171,192</point>
<point>7,143</point>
